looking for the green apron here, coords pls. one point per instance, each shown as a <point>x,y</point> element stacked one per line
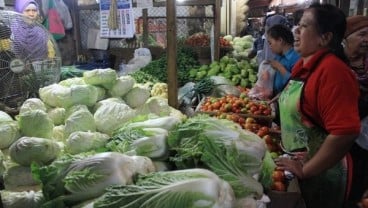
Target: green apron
<point>327,189</point>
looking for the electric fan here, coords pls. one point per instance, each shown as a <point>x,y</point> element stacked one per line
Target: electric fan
<point>29,59</point>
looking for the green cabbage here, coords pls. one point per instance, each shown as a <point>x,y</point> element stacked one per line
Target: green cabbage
<point>57,115</point>
<point>32,104</point>
<point>112,116</point>
<point>5,117</point>
<point>80,119</point>
<point>9,133</point>
<point>26,150</point>
<point>35,123</point>
<point>80,141</point>
<point>122,86</point>
<point>72,81</point>
<point>101,77</point>
<point>83,95</point>
<point>58,133</point>
<point>137,96</point>
<point>56,95</point>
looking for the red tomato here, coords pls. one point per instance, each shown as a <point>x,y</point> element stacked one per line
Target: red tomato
<point>268,139</point>
<point>266,112</point>
<point>278,175</point>
<point>278,186</point>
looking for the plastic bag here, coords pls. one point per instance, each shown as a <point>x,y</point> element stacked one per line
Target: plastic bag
<point>142,57</point>
<point>263,88</point>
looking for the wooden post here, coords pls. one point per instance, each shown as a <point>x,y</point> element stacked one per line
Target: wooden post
<point>171,53</point>
<point>145,27</point>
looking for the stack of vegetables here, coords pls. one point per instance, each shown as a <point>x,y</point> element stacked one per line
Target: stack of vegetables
<point>241,45</point>
<point>105,141</point>
<point>243,73</point>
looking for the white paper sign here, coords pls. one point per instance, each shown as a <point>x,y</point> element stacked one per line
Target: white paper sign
<point>125,19</point>
<point>144,3</point>
<point>2,4</point>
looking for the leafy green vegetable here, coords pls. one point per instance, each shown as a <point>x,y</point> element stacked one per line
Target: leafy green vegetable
<point>223,147</point>
<point>29,199</point>
<point>186,60</point>
<point>9,133</point>
<point>35,123</point>
<point>26,150</point>
<point>74,179</point>
<point>149,142</point>
<point>192,188</point>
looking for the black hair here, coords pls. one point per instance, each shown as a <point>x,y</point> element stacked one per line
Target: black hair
<point>281,31</point>
<point>297,15</point>
<point>329,18</point>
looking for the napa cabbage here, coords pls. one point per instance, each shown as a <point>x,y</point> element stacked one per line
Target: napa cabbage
<point>29,199</point>
<point>74,179</point>
<point>197,188</point>
<point>149,142</point>
<point>222,146</point>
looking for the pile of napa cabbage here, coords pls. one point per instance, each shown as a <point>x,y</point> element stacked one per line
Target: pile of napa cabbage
<point>103,141</point>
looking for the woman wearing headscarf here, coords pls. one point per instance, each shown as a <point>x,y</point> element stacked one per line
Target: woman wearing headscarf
<point>356,49</point>
<point>30,40</point>
<point>319,115</point>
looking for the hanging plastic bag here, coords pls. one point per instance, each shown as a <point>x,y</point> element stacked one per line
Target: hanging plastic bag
<point>142,57</point>
<point>263,88</point>
<point>53,22</point>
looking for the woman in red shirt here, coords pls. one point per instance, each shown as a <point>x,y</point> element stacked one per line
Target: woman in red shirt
<point>318,112</point>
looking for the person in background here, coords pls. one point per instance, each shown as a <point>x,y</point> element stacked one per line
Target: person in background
<point>261,49</point>
<point>281,40</point>
<point>356,49</point>
<point>267,54</point>
<point>319,115</point>
<point>30,40</point>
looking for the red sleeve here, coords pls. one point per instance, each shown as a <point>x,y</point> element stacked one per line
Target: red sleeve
<point>336,95</point>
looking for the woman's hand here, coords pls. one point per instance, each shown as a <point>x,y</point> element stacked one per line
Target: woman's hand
<point>292,165</point>
<point>277,66</point>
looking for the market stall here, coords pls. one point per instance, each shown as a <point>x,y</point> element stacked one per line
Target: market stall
<point>184,130</point>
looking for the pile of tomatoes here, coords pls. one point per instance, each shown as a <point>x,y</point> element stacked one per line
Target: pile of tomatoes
<point>278,180</point>
<point>233,104</point>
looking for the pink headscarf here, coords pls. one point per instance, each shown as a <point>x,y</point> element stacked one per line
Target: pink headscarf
<point>20,5</point>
